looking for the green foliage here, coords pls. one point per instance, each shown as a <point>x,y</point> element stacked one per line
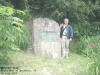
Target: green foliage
<point>8,11</point>
<point>6,3</point>
<point>13,33</point>
<point>90,46</point>
<point>19,5</point>
<point>20,14</point>
<point>83,15</point>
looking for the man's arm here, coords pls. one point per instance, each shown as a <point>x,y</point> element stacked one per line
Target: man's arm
<point>71,33</point>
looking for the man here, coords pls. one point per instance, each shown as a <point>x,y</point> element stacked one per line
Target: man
<point>66,34</point>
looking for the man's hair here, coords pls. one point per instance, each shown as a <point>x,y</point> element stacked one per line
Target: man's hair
<point>67,19</point>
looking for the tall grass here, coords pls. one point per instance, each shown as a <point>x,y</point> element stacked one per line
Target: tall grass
<point>90,46</point>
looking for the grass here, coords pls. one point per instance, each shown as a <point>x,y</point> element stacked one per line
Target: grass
<point>29,64</point>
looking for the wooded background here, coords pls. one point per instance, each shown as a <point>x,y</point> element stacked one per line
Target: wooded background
<point>84,17</point>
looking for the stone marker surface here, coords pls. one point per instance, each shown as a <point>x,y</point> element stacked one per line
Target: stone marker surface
<point>46,38</point>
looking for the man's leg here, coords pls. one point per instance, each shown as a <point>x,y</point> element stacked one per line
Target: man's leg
<point>67,47</point>
<point>63,44</point>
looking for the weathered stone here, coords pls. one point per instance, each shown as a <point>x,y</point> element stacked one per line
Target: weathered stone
<point>46,38</point>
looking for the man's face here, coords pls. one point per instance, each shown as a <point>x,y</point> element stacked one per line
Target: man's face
<point>66,21</point>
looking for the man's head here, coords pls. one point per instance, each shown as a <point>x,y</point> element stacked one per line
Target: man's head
<point>66,20</point>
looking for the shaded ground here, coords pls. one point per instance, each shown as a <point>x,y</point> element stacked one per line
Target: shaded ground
<point>30,64</point>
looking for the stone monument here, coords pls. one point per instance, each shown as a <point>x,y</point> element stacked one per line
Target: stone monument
<point>46,38</point>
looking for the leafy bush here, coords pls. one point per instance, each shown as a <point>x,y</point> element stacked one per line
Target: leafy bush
<point>13,33</point>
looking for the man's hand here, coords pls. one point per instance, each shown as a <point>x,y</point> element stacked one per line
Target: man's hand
<point>70,40</point>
